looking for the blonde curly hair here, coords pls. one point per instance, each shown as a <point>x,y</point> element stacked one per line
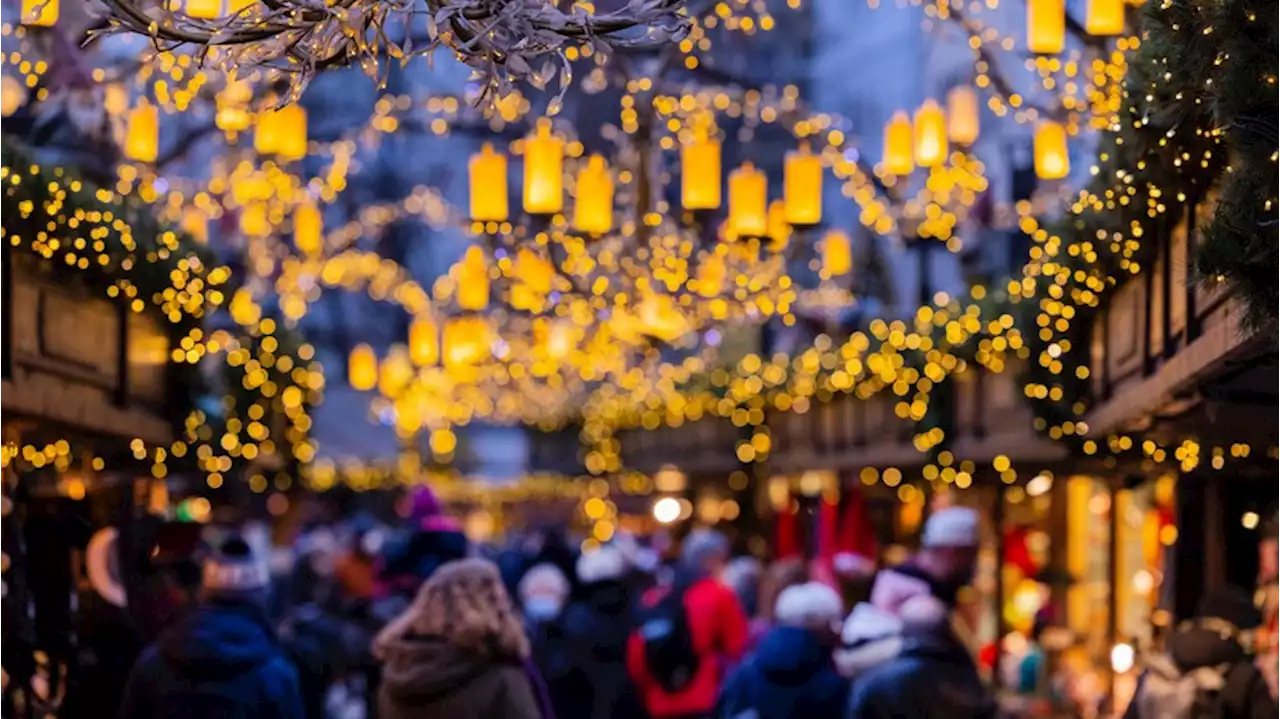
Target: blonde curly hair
<point>464,603</point>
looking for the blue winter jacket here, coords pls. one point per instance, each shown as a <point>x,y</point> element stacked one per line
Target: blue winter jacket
<point>790,676</point>
<point>221,660</point>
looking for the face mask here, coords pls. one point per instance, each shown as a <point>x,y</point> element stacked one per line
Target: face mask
<point>538,608</point>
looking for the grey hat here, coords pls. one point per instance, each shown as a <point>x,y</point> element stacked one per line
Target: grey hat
<point>233,570</point>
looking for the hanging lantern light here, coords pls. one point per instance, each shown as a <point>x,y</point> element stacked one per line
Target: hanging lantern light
<point>472,276</point>
<point>543,171</point>
<point>42,13</point>
<point>203,9</point>
<point>466,342</point>
<point>282,132</point>
<point>700,171</point>
<point>802,187</point>
<point>837,254</point>
<point>930,125</point>
<point>1052,162</point>
<point>748,201</point>
<point>362,368</point>
<point>232,103</point>
<point>1046,26</point>
<point>899,158</point>
<point>534,271</point>
<point>254,220</point>
<point>593,208</point>
<point>424,343</point>
<point>395,372</point>
<point>962,115</point>
<point>660,317</point>
<point>308,229</point>
<point>487,175</point>
<point>1104,17</point>
<point>779,229</point>
<point>142,134</point>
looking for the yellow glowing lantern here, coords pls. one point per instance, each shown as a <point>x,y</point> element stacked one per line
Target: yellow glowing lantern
<point>748,201</point>
<point>1046,26</point>
<point>802,187</point>
<point>779,228</point>
<point>40,12</point>
<point>195,223</point>
<point>424,342</point>
<point>962,115</point>
<point>12,95</point>
<point>534,271</point>
<point>930,125</point>
<point>660,317</point>
<point>1104,17</point>
<point>466,342</point>
<point>308,229</point>
<point>395,372</point>
<point>899,158</point>
<point>254,220</point>
<point>543,171</point>
<point>362,368</point>
<point>593,208</point>
<point>700,172</point>
<point>837,253</point>
<point>1052,162</point>
<point>487,175</point>
<point>233,106</point>
<point>142,136</point>
<point>556,337</point>
<point>472,276</point>
<point>203,9</point>
<point>282,132</point>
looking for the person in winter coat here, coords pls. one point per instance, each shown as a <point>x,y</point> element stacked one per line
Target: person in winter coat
<point>791,674</point>
<point>434,539</point>
<point>1206,658</point>
<point>222,659</point>
<point>717,629</point>
<point>543,592</point>
<point>458,651</point>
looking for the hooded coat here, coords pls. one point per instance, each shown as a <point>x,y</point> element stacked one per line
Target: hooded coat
<point>220,661</point>
<point>933,677</point>
<point>790,676</point>
<point>1244,693</point>
<point>595,631</point>
<point>428,678</point>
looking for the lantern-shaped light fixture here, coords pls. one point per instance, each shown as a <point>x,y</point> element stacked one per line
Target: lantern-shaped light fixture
<point>308,229</point>
<point>700,172</point>
<point>424,341</point>
<point>1104,17</point>
<point>660,316</point>
<point>543,171</point>
<point>1051,159</point>
<point>233,106</point>
<point>472,277</point>
<point>748,201</point>
<point>533,270</point>
<point>396,371</point>
<point>802,187</point>
<point>930,125</point>
<point>203,9</point>
<point>837,254</point>
<point>282,132</point>
<point>962,115</point>
<point>899,158</point>
<point>593,208</point>
<point>779,229</point>
<point>12,95</point>
<point>142,133</point>
<point>487,175</point>
<point>43,13</point>
<point>466,342</point>
<point>362,368</point>
<point>1046,26</point>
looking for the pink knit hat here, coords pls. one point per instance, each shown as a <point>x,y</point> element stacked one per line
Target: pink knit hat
<point>425,512</point>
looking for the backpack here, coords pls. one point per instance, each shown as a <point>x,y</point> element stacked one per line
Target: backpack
<point>1168,693</point>
<point>668,642</point>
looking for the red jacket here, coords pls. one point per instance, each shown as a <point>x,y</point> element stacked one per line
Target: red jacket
<point>718,629</point>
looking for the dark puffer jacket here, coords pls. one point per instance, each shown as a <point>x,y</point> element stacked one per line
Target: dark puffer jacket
<point>933,678</point>
<point>428,678</point>
<point>595,630</point>
<point>791,676</point>
<point>1244,692</point>
<point>221,661</point>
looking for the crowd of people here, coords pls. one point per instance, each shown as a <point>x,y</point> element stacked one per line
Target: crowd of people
<point>433,627</point>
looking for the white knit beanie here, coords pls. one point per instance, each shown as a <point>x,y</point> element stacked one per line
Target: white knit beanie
<point>811,604</point>
<point>951,527</point>
<point>601,564</point>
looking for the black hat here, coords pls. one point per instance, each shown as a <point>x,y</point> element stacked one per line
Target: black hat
<point>1231,604</point>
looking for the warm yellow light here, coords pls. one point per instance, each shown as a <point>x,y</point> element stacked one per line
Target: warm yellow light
<point>779,229</point>
<point>534,271</point>
<point>142,133</point>
<point>748,201</point>
<point>1104,17</point>
<point>195,223</point>
<point>232,103</point>
<point>466,342</point>
<point>40,12</point>
<point>962,114</point>
<point>362,368</point>
<point>472,276</point>
<point>424,342</point>
<point>282,132</point>
<point>556,337</point>
<point>1051,158</point>
<point>487,173</point>
<point>899,158</point>
<point>1046,26</point>
<point>395,372</point>
<point>660,317</point>
<point>204,9</point>
<point>930,125</point>
<point>802,187</point>
<point>837,253</point>
<point>543,171</point>
<point>593,207</point>
<point>711,275</point>
<point>243,309</point>
<point>308,229</point>
<point>12,95</point>
<point>700,172</point>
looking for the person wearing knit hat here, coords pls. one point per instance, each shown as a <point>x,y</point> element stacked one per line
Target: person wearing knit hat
<point>222,659</point>
<point>434,539</point>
